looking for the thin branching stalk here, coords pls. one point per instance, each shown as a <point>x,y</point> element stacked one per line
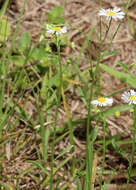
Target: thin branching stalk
<point>106,33</point>
<point>97,72</point>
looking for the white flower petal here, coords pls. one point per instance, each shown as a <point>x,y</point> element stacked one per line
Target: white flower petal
<point>116,9</point>
<point>117,14</point>
<point>51,30</point>
<point>107,102</point>
<point>129,97</point>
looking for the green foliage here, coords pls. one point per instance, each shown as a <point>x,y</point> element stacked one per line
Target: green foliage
<point>55,16</point>
<point>126,78</point>
<point>111,111</point>
<point>3,9</point>
<point>79,187</point>
<point>82,96</point>
<point>124,66</point>
<point>118,149</point>
<point>64,151</point>
<point>94,133</point>
<point>110,53</point>
<point>18,60</point>
<point>24,42</point>
<point>4,30</point>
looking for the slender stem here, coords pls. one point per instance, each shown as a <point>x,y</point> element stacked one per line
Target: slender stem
<point>133,150</point>
<point>127,6</point>
<point>107,31</point>
<point>89,159</point>
<point>89,145</point>
<point>104,147</point>
<point>56,113</point>
<point>71,135</point>
<point>99,57</point>
<point>110,43</point>
<point>100,29</point>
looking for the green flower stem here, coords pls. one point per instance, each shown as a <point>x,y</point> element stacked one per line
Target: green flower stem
<point>89,143</point>
<point>100,29</point>
<point>71,135</point>
<point>104,148</point>
<point>133,149</point>
<point>113,37</point>
<point>89,146</point>
<point>107,31</point>
<point>56,113</point>
<point>99,57</point>
<point>127,6</point>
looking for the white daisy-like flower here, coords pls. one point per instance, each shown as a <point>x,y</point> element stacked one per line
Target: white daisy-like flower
<point>112,13</point>
<point>129,97</point>
<point>103,101</point>
<point>56,29</point>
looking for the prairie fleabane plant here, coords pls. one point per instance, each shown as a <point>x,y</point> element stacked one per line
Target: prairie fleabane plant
<point>56,31</point>
<point>95,76</point>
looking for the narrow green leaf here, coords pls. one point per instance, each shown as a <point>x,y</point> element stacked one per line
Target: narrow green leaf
<point>64,151</point>
<point>124,77</point>
<point>3,9</point>
<point>111,111</point>
<point>81,94</point>
<point>110,53</point>
<point>39,165</point>
<point>118,149</point>
<point>24,41</point>
<point>4,30</point>
<point>79,187</point>
<point>55,171</point>
<point>18,60</point>
<point>44,88</point>
<point>107,113</point>
<point>123,66</point>
<point>94,133</point>
<point>28,170</point>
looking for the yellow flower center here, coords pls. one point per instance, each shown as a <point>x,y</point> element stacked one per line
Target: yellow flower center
<point>132,98</point>
<point>56,28</point>
<point>101,99</point>
<point>111,13</point>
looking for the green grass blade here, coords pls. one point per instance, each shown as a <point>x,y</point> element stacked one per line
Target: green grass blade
<point>55,171</point>
<point>124,77</point>
<point>3,9</point>
<point>79,187</point>
<point>64,151</point>
<point>107,113</point>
